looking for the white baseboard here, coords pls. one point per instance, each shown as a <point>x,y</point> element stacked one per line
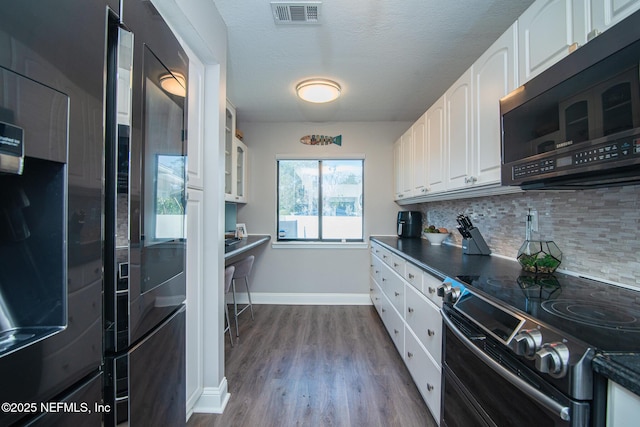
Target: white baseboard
<point>302,298</point>
<point>213,399</point>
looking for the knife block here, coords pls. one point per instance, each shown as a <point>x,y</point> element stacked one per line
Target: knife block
<point>476,244</point>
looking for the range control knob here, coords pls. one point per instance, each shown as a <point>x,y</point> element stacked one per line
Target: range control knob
<point>553,359</point>
<point>449,293</point>
<point>527,342</point>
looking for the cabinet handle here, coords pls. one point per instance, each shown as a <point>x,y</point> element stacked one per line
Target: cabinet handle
<point>377,271</point>
<point>430,332</point>
<point>411,276</point>
<point>432,290</point>
<point>384,256</point>
<point>383,310</point>
<point>410,310</point>
<point>395,265</point>
<point>384,280</point>
<point>430,387</point>
<point>395,331</point>
<point>397,294</point>
<point>409,354</point>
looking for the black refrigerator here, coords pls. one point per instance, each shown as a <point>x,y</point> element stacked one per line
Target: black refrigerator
<point>145,219</point>
<point>52,58</point>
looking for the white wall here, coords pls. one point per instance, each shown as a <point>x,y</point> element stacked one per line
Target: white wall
<point>335,273</point>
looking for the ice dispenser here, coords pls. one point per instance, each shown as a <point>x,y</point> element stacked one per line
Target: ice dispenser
<point>33,231</point>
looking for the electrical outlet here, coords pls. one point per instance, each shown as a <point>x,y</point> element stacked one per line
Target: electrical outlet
<point>534,220</point>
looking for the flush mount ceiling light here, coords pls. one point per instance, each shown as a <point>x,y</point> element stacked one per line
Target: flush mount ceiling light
<point>318,90</point>
<point>174,83</point>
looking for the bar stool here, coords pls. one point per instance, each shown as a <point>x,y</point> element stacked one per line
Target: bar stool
<point>228,277</point>
<point>242,271</point>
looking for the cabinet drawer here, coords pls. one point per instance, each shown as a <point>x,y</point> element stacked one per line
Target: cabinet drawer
<point>384,255</point>
<point>374,269</point>
<point>393,287</point>
<point>398,264</point>
<point>430,288</point>
<point>376,294</point>
<point>426,374</point>
<point>413,275</point>
<point>424,320</point>
<point>394,324</point>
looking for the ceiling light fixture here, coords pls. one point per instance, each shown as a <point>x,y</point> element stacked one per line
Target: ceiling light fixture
<point>318,90</point>
<point>174,83</point>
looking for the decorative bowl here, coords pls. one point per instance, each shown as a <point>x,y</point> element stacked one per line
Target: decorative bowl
<point>436,239</point>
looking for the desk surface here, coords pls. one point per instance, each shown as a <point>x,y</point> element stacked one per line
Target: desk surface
<point>244,245</point>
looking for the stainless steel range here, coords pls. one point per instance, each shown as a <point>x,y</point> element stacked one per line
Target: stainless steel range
<point>518,350</point>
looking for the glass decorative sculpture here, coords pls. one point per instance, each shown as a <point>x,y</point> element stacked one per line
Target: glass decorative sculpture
<point>539,256</point>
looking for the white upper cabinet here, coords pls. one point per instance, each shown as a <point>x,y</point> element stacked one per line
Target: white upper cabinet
<point>607,13</point>
<point>435,136</point>
<point>547,30</point>
<point>420,181</point>
<point>235,161</point>
<point>397,169</point>
<point>195,131</point>
<point>494,76</point>
<point>459,135</point>
<point>407,163</point>
<point>229,134</point>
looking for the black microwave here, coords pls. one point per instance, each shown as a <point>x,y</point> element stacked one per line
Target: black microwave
<point>577,124</point>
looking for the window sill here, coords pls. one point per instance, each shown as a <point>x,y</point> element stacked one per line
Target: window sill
<point>320,245</point>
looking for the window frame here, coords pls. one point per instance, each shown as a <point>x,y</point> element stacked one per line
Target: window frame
<point>320,240</point>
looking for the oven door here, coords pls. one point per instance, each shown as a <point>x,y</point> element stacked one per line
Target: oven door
<point>486,386</point>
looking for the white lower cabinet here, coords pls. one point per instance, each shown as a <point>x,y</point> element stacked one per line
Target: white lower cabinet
<point>423,317</point>
<point>623,406</point>
<point>425,372</point>
<point>411,317</point>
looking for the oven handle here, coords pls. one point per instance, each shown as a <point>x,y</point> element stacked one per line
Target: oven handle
<point>561,410</point>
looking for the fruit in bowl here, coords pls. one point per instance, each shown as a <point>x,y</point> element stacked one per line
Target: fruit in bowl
<point>434,235</point>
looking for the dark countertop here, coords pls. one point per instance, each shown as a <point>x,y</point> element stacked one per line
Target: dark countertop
<point>623,368</point>
<point>449,261</point>
<point>246,244</point>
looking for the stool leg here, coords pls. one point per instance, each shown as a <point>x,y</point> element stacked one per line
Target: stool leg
<point>235,306</point>
<point>228,328</point>
<point>246,282</point>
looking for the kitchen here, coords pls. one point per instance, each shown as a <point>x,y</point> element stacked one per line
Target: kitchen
<point>501,218</point>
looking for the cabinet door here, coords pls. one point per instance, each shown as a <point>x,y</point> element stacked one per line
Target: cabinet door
<point>419,157</point>
<point>493,78</point>
<point>397,169</point>
<point>194,300</point>
<point>229,133</point>
<point>195,125</point>
<point>407,163</point>
<point>435,128</point>
<point>426,374</point>
<point>425,321</point>
<point>607,13</point>
<point>240,170</point>
<point>546,31</point>
<point>459,135</point>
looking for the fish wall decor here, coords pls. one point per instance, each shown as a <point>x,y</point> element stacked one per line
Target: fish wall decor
<point>321,140</point>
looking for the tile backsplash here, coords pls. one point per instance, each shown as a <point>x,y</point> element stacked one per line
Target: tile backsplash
<point>596,230</point>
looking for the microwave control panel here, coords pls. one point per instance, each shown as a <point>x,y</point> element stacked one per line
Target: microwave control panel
<point>606,152</point>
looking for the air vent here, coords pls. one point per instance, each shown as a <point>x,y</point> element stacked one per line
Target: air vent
<point>296,13</point>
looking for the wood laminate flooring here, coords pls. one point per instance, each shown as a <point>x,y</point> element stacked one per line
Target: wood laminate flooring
<point>316,366</point>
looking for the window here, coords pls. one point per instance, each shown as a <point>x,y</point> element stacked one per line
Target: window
<point>320,200</point>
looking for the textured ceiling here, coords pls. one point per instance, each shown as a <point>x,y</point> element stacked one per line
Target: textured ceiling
<point>393,58</point>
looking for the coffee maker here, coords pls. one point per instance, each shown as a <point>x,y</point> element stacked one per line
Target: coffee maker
<point>409,223</point>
